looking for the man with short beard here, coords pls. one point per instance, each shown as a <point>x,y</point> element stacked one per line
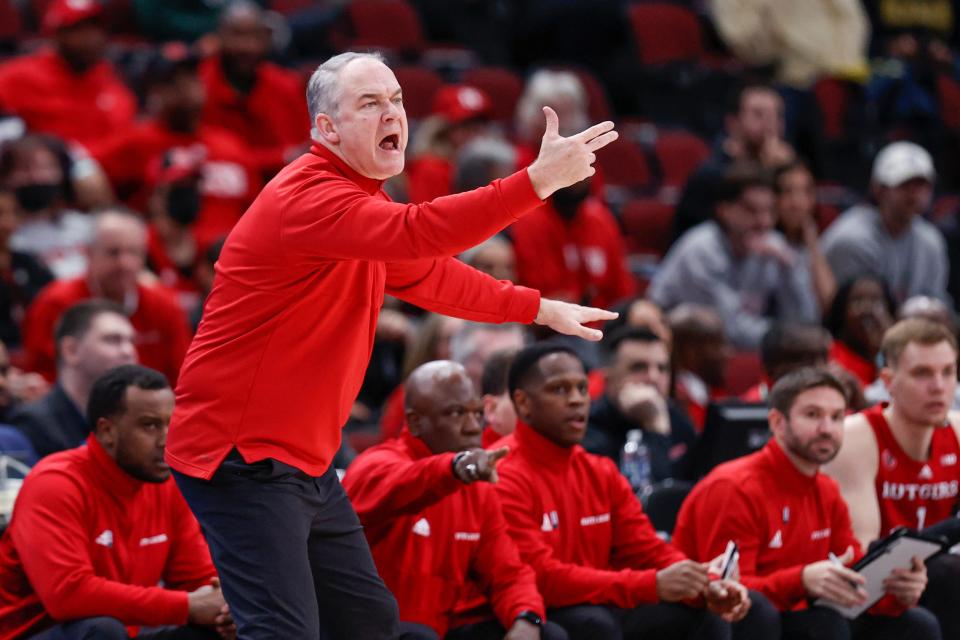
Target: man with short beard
<point>900,464</point>
<point>97,528</point>
<point>787,518</point>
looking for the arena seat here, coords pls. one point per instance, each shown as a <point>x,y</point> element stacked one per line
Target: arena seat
<point>665,32</point>
<point>679,153</point>
<point>502,85</point>
<point>662,503</point>
<point>647,223</point>
<point>624,164</point>
<point>419,86</point>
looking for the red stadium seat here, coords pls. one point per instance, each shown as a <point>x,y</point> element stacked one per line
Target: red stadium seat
<point>679,154</point>
<point>385,23</point>
<point>10,23</point>
<point>624,164</point>
<point>744,370</point>
<point>419,86</point>
<point>502,85</point>
<point>665,33</point>
<point>647,224</point>
<point>833,98</point>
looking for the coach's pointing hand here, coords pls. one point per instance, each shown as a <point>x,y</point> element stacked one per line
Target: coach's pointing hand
<point>568,318</point>
<point>566,161</point>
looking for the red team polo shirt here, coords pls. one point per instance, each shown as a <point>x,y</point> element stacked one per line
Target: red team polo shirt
<point>432,536</point>
<point>163,332</point>
<point>912,493</point>
<point>87,539</point>
<point>289,326</point>
<point>781,519</point>
<point>271,119</point>
<point>229,182</point>
<point>49,97</point>
<point>580,260</point>
<point>578,524</point>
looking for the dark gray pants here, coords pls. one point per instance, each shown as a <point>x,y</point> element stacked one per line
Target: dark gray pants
<point>290,551</point>
<point>105,628</point>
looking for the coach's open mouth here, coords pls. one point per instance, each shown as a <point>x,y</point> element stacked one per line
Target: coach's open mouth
<point>390,142</point>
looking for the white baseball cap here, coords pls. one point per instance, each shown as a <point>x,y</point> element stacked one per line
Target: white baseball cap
<point>901,161</point>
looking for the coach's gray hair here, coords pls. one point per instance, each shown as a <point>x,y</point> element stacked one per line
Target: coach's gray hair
<point>323,90</point>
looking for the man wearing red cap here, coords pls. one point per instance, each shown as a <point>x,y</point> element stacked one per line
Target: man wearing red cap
<point>230,179</point>
<point>460,114</point>
<point>255,99</point>
<point>69,89</point>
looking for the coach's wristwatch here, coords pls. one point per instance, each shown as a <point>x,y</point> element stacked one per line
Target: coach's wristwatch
<point>530,617</point>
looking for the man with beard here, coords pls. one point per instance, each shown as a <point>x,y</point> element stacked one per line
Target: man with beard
<point>69,90</point>
<point>600,566</point>
<point>96,529</point>
<point>900,464</point>
<point>787,518</point>
<point>257,100</point>
<point>571,248</point>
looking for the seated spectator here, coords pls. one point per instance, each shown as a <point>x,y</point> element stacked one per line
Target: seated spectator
<point>898,465</point>
<point>753,133</point>
<point>434,523</point>
<point>22,276</point>
<point>257,100</point>
<point>36,168</point>
<point>600,566</point>
<point>786,518</point>
<point>786,347</point>
<point>431,341</point>
<point>203,277</point>
<point>571,248</point>
<point>116,260</point>
<point>70,89</point>
<point>928,308</point>
<point>172,250</point>
<point>861,312</point>
<point>474,343</point>
<point>796,193</point>
<point>738,264</point>
<point>97,528</point>
<point>91,337</point>
<point>176,97</point>
<point>888,237</point>
<point>636,397</point>
<point>700,355</point>
<point>495,257</point>
<point>499,416</point>
<point>461,114</point>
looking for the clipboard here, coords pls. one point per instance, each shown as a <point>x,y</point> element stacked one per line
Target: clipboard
<point>892,552</point>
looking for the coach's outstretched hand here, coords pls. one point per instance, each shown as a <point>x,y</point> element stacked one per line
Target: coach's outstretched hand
<point>569,318</point>
<point>566,161</point>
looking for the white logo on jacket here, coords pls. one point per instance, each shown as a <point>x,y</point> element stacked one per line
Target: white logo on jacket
<point>105,538</point>
<point>550,521</point>
<point>468,536</point>
<point>422,528</point>
<point>157,539</point>
<point>592,520</point>
<point>776,542</point>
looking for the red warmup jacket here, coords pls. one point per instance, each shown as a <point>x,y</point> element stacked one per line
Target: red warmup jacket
<point>288,329</point>
<point>87,539</point>
<point>912,493</point>
<point>50,98</point>
<point>581,260</point>
<point>781,519</point>
<point>163,332</point>
<point>432,536</point>
<point>271,119</point>
<point>864,370</point>
<point>229,182</point>
<point>578,524</point>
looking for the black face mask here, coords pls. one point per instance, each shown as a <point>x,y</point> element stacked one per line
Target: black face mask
<point>183,204</point>
<point>37,197</point>
<point>567,201</point>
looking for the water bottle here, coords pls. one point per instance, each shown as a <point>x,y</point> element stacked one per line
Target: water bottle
<point>635,462</point>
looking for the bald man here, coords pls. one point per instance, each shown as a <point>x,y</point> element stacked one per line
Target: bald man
<point>434,523</point>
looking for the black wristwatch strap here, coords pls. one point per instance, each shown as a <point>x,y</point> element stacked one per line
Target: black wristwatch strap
<point>453,464</point>
<point>531,617</point>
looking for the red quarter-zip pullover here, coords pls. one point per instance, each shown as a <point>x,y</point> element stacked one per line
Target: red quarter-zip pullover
<point>432,536</point>
<point>87,539</point>
<point>288,329</point>
<point>578,524</point>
